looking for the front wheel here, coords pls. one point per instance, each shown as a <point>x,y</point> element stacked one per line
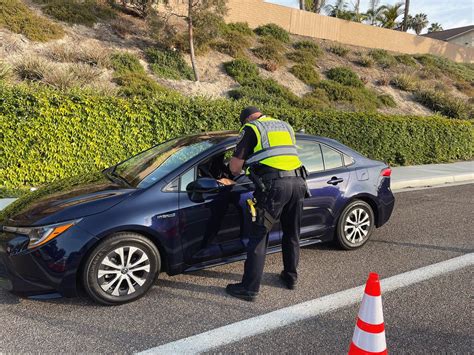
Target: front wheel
<point>121,269</point>
<point>355,225</point>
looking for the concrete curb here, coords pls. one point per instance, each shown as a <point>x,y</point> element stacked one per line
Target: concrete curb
<point>432,181</point>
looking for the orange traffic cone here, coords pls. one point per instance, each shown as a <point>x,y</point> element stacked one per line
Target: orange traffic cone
<point>369,332</point>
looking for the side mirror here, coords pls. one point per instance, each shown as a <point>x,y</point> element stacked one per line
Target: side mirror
<point>201,188</point>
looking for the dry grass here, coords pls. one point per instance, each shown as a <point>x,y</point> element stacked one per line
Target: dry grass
<point>89,52</point>
<point>32,68</point>
<point>5,71</point>
<point>11,43</point>
<point>85,73</point>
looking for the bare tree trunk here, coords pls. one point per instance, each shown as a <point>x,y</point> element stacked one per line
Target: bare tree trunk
<point>356,7</point>
<point>302,5</point>
<point>405,16</point>
<point>191,40</point>
<point>316,6</point>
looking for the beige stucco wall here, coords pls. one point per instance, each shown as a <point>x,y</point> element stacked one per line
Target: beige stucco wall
<point>257,12</point>
<point>466,39</point>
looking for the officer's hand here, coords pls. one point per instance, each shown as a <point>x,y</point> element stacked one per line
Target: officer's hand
<point>226,182</point>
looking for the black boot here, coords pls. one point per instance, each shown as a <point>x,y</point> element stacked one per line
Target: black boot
<point>239,291</point>
<point>289,282</point>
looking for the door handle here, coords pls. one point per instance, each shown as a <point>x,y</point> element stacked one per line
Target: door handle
<point>335,180</point>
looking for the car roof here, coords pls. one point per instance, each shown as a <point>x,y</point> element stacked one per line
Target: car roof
<point>230,136</point>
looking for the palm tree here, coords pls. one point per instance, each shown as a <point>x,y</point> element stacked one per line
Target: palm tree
<point>435,27</point>
<point>373,14</point>
<point>302,7</point>
<point>314,5</point>
<point>405,16</point>
<point>390,13</point>
<point>339,9</point>
<point>419,22</point>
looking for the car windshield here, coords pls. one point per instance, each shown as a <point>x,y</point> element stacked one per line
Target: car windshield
<point>153,164</point>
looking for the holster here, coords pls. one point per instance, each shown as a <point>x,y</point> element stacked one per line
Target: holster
<point>264,218</point>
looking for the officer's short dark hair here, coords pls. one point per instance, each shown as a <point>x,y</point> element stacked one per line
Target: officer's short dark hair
<point>248,111</point>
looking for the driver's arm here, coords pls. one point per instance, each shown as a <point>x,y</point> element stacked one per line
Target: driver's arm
<point>236,165</point>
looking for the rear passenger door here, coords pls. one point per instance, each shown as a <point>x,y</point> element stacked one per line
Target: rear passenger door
<point>328,179</point>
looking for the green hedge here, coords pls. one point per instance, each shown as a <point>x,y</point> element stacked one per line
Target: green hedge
<point>46,135</point>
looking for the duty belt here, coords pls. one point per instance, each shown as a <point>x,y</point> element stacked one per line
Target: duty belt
<point>281,174</point>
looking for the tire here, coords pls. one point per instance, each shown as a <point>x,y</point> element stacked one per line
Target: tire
<point>355,225</point>
<point>108,274</point>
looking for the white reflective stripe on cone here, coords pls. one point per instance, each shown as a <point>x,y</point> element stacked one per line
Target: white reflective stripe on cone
<point>371,309</point>
<point>373,343</point>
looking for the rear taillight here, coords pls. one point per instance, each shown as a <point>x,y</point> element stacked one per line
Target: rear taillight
<point>386,172</point>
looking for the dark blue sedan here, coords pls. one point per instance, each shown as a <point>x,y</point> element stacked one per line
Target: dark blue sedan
<point>163,210</point>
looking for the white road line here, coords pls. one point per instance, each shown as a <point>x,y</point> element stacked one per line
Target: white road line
<point>250,327</point>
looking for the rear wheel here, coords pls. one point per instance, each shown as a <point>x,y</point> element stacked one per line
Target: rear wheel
<point>121,269</point>
<point>355,225</point>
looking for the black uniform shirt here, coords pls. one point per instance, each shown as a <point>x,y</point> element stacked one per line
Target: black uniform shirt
<point>245,144</point>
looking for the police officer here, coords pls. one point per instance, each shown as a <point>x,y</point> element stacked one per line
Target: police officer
<point>267,150</point>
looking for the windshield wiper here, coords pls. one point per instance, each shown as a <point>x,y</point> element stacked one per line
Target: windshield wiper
<point>114,177</point>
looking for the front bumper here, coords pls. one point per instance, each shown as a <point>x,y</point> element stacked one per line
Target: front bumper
<point>50,268</point>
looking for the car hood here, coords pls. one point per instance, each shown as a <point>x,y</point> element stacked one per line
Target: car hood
<point>65,200</point>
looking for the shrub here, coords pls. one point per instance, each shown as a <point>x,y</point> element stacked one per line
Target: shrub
<point>264,91</point>
<point>457,71</point>
<point>382,57</point>
<point>387,100</point>
<point>233,43</point>
<point>360,99</point>
<point>308,46</point>
<point>406,59</point>
<point>269,53</point>
<point>316,100</point>
<point>444,103</point>
<point>302,57</point>
<point>274,31</point>
<point>365,61</point>
<point>240,27</point>
<point>241,70</point>
<point>465,87</point>
<point>270,66</point>
<point>344,76</point>
<point>124,62</point>
<point>405,82</point>
<point>18,18</point>
<point>32,68</point>
<point>104,131</point>
<point>168,64</point>
<point>339,50</point>
<point>306,73</point>
<point>82,12</point>
<point>138,84</point>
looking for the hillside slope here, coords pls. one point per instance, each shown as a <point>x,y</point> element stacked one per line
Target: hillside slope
<point>84,57</point>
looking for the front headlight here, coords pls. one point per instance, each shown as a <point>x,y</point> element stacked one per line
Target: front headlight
<point>41,235</point>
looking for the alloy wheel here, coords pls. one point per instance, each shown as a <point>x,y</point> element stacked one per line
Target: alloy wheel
<point>123,271</point>
<point>356,226</point>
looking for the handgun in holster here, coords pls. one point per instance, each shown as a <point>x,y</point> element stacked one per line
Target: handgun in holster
<point>256,179</point>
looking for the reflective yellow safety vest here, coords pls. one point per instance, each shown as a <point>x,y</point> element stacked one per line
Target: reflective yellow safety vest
<point>276,144</point>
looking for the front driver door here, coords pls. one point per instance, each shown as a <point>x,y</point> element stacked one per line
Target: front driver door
<point>217,228</point>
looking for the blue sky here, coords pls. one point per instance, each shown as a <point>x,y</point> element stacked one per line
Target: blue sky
<point>449,14</point>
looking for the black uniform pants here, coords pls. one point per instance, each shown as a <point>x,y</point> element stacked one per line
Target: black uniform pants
<point>283,200</point>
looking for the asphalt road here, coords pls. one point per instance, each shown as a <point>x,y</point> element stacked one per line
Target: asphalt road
<point>427,226</point>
